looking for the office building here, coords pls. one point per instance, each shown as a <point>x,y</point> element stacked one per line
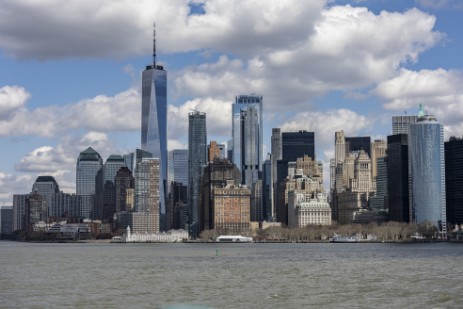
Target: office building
<point>426,166</point>
<point>358,143</point>
<point>197,159</point>
<point>215,150</point>
<point>454,180</point>
<point>124,181</point>
<point>89,163</point>
<point>6,221</point>
<point>378,150</point>
<point>400,124</point>
<point>231,208</point>
<point>216,174</point>
<point>154,118</point>
<point>147,193</point>
<point>47,187</point>
<point>178,166</point>
<point>308,209</point>
<point>397,178</point>
<point>247,134</point>
<point>297,145</point>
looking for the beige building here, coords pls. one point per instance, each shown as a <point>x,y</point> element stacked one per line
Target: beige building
<point>308,209</point>
<point>232,208</point>
<point>378,150</point>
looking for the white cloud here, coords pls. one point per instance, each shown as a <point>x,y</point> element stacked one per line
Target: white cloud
<point>438,90</point>
<point>350,48</point>
<point>324,124</point>
<point>101,113</point>
<point>11,99</point>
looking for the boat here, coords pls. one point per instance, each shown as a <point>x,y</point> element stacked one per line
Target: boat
<point>338,238</point>
<point>233,238</point>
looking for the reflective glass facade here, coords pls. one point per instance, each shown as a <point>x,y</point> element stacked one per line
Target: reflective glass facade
<point>426,165</point>
<point>154,120</point>
<point>247,134</point>
<point>89,163</point>
<point>197,159</point>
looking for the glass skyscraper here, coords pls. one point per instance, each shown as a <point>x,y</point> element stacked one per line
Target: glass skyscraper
<point>426,165</point>
<point>197,159</point>
<point>247,133</point>
<point>154,118</point>
<point>89,163</point>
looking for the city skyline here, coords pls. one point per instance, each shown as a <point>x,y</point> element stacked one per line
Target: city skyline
<point>336,65</point>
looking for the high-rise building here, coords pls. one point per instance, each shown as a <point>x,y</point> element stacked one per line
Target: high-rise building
<point>147,195</point>
<point>358,143</point>
<point>47,187</point>
<point>215,150</point>
<point>89,163</point>
<point>454,180</point>
<point>400,124</point>
<point>6,221</point>
<point>154,118</point>
<point>123,181</point>
<point>197,159</point>
<point>216,174</point>
<point>178,166</point>
<point>247,133</point>
<point>378,150</point>
<point>340,146</point>
<point>426,166</point>
<point>297,145</point>
<point>276,155</point>
<point>397,178</point>
<point>232,208</point>
<point>19,211</point>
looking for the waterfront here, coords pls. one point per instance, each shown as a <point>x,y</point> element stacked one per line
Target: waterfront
<point>101,275</point>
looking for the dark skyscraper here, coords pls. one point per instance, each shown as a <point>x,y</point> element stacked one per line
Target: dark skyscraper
<point>89,163</point>
<point>154,118</point>
<point>357,143</point>
<point>397,177</point>
<point>454,179</point>
<point>197,159</point>
<point>297,144</point>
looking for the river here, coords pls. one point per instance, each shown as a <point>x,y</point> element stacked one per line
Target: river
<point>103,275</point>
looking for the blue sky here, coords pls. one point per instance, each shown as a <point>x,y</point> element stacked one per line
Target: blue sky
<point>70,72</point>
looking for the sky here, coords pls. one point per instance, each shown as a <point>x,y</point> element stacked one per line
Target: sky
<point>70,72</point>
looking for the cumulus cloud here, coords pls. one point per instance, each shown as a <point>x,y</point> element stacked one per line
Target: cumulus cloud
<point>105,28</point>
<point>349,48</point>
<point>12,98</point>
<point>324,124</point>
<point>438,90</point>
<point>101,113</point>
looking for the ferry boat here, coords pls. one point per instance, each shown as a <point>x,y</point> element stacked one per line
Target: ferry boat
<point>233,238</point>
<point>338,238</point>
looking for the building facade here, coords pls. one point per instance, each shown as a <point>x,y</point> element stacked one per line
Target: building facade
<point>89,163</point>
<point>154,119</point>
<point>232,208</point>
<point>47,187</point>
<point>400,124</point>
<point>454,180</point>
<point>308,209</point>
<point>397,178</point>
<point>197,159</point>
<point>427,171</point>
<point>247,134</point>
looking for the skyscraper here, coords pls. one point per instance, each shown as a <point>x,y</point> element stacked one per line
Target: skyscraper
<point>297,145</point>
<point>357,143</point>
<point>400,124</point>
<point>276,155</point>
<point>426,165</point>
<point>154,117</point>
<point>89,163</point>
<point>47,187</point>
<point>178,166</point>
<point>247,133</point>
<point>197,159</point>
<point>454,179</point>
<point>397,178</point>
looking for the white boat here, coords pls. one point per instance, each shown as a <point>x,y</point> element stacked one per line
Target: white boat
<point>338,238</point>
<point>233,238</point>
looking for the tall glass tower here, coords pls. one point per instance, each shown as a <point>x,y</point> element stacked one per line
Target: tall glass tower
<point>197,159</point>
<point>154,118</point>
<point>247,133</point>
<point>89,163</point>
<point>426,165</point>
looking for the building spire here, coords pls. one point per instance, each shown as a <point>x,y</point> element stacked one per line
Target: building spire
<point>154,44</point>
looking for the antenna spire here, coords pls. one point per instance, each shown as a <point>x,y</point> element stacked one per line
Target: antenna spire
<point>154,44</point>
